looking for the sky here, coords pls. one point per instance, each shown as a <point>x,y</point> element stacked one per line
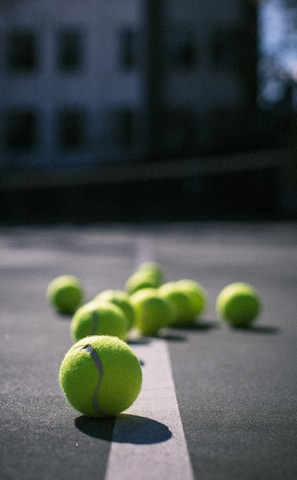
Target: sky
<point>279,40</point>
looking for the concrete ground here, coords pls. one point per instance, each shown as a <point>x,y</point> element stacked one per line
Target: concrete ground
<point>217,403</point>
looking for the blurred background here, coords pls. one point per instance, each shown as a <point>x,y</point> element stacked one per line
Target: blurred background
<point>147,110</point>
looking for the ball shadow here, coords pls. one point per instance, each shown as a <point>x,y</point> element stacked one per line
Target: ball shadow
<point>101,428</point>
<point>257,329</point>
<point>64,316</point>
<point>125,428</point>
<point>197,326</point>
<point>163,333</point>
<point>171,336</point>
<point>138,341</point>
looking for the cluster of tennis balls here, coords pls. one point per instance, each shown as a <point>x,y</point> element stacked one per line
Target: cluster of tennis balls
<point>100,374</point>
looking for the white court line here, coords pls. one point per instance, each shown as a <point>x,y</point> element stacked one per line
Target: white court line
<point>148,439</point>
<point>145,249</point>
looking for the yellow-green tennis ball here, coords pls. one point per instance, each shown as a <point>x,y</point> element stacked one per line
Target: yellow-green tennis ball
<point>239,304</point>
<point>155,268</point>
<point>152,312</point>
<point>141,279</point>
<point>122,300</point>
<point>100,376</point>
<point>65,293</point>
<point>183,310</point>
<point>196,294</point>
<point>98,318</point>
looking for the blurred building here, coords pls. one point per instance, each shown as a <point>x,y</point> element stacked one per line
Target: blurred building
<point>111,80</point>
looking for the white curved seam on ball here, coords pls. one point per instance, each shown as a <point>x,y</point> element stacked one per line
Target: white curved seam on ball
<point>96,359</point>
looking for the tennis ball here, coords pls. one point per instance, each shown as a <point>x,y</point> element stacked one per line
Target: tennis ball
<point>196,294</point>
<point>121,299</point>
<point>98,318</point>
<point>155,268</point>
<point>152,312</point>
<point>141,279</point>
<point>65,293</point>
<point>100,376</point>
<point>180,301</point>
<point>239,304</point>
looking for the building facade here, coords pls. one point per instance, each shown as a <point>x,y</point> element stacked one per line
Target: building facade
<point>118,80</point>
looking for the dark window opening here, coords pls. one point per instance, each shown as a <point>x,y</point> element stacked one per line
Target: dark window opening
<point>71,129</point>
<point>181,51</point>
<point>21,51</point>
<point>20,130</point>
<point>185,55</point>
<point>69,55</point>
<point>127,48</point>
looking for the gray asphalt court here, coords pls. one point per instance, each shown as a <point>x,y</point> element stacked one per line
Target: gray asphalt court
<point>217,403</point>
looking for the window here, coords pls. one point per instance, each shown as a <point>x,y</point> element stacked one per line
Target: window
<point>185,54</point>
<point>71,129</point>
<point>181,49</point>
<point>127,48</point>
<point>69,50</point>
<point>20,130</point>
<point>21,51</point>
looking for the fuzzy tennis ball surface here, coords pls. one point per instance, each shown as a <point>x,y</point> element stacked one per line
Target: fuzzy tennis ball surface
<point>180,300</point>
<point>98,318</point>
<point>155,268</point>
<point>152,312</point>
<point>100,376</point>
<point>239,304</point>
<point>121,299</point>
<point>196,294</point>
<point>141,279</point>
<point>65,293</point>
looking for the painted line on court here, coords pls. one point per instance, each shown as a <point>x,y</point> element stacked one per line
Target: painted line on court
<point>148,439</point>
